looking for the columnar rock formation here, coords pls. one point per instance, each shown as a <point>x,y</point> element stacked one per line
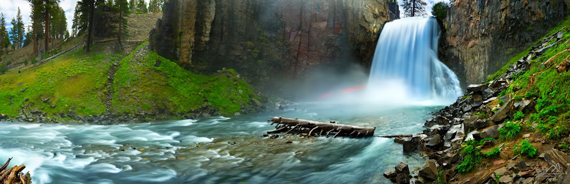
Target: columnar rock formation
<point>262,39</point>
<point>482,35</point>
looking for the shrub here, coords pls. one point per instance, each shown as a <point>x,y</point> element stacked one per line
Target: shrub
<point>543,128</point>
<point>472,158</point>
<point>518,98</point>
<point>557,132</point>
<point>495,152</point>
<point>510,131</point>
<point>439,10</point>
<point>501,102</point>
<point>525,148</point>
<point>529,94</point>
<point>518,115</point>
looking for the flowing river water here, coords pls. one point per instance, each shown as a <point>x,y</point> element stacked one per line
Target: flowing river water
<point>214,150</point>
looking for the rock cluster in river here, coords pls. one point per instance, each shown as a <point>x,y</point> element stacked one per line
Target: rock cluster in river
<point>467,118</point>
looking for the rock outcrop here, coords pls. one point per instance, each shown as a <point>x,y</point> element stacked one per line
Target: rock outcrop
<point>268,39</point>
<point>482,35</point>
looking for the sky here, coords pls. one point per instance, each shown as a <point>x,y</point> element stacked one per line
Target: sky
<point>430,4</point>
<point>10,9</point>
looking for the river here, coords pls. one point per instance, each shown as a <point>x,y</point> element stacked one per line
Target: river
<point>214,150</point>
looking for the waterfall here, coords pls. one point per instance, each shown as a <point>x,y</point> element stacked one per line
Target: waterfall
<point>406,66</point>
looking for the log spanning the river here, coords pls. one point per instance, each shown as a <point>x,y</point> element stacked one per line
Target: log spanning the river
<point>14,174</point>
<point>319,128</point>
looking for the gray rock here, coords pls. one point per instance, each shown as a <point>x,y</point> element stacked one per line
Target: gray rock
<point>429,170</point>
<point>522,105</point>
<point>411,145</point>
<point>506,180</point>
<point>501,171</point>
<point>433,141</point>
<point>487,93</point>
<point>403,173</point>
<point>489,100</point>
<point>390,173</point>
<point>503,112</point>
<point>490,132</point>
<point>477,123</point>
<point>557,157</point>
<point>475,88</point>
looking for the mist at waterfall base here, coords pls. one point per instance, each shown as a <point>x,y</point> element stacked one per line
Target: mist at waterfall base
<point>405,69</point>
<point>234,150</point>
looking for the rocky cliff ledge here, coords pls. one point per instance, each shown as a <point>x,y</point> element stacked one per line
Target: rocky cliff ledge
<point>482,35</point>
<point>266,39</point>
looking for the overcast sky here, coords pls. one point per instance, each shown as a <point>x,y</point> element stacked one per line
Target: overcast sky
<point>10,8</point>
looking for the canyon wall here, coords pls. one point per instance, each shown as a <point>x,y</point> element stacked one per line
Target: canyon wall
<point>264,40</point>
<point>483,35</point>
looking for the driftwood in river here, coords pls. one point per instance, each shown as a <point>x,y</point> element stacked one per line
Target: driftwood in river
<point>13,174</point>
<point>315,128</point>
<point>397,136</point>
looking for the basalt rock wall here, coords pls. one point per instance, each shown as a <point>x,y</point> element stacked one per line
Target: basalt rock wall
<point>483,35</point>
<point>264,39</point>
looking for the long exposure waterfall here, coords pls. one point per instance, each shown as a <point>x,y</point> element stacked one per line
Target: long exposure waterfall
<point>406,64</point>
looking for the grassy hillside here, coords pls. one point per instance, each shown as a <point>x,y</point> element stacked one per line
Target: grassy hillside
<point>80,84</point>
<point>545,85</point>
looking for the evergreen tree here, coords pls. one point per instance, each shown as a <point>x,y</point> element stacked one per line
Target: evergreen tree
<point>414,8</point>
<point>20,29</point>
<point>132,6</point>
<point>3,33</point>
<point>122,7</point>
<point>14,34</point>
<point>141,7</point>
<point>439,10</point>
<point>28,37</point>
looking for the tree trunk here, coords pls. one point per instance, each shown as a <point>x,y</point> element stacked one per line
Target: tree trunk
<point>317,128</point>
<point>413,8</point>
<point>47,27</point>
<point>91,12</point>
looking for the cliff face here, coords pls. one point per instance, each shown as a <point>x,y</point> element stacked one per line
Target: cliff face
<point>265,39</point>
<point>482,35</point>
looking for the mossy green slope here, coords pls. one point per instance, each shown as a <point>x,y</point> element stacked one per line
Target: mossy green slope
<point>546,86</point>
<point>76,84</point>
<point>142,85</point>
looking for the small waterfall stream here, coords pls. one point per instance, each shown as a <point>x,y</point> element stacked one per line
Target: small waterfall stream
<point>406,64</point>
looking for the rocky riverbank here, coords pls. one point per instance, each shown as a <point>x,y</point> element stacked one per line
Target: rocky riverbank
<point>511,129</point>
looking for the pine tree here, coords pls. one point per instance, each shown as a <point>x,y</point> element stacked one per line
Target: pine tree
<point>414,8</point>
<point>29,37</point>
<point>20,30</point>
<point>14,34</point>
<point>3,33</point>
<point>132,6</point>
<point>122,7</point>
<point>141,7</point>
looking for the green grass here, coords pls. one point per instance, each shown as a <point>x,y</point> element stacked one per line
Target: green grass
<point>140,86</point>
<point>77,82</point>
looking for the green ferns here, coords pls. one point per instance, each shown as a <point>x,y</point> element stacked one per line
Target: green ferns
<point>509,131</point>
<point>525,148</point>
<point>495,152</point>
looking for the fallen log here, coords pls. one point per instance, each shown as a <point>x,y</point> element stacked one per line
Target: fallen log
<point>13,174</point>
<point>312,127</point>
<point>396,136</point>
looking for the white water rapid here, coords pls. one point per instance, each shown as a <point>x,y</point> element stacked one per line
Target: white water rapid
<point>406,67</point>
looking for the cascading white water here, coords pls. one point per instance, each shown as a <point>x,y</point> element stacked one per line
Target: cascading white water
<point>405,63</point>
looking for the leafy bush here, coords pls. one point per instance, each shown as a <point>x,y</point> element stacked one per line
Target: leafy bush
<point>472,158</point>
<point>501,102</point>
<point>518,115</point>
<point>525,148</point>
<point>510,131</point>
<point>495,152</point>
<point>518,97</point>
<point>543,128</point>
<point>529,94</point>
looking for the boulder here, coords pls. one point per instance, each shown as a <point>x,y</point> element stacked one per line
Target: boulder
<point>557,157</point>
<point>503,112</point>
<point>3,116</point>
<point>476,123</point>
<point>505,180</point>
<point>390,173</point>
<point>522,105</point>
<point>403,173</point>
<point>433,141</point>
<point>411,145</point>
<point>501,171</point>
<point>489,100</point>
<point>475,88</point>
<point>490,132</point>
<point>487,93</point>
<point>453,132</point>
<point>429,170</point>
<point>516,167</point>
